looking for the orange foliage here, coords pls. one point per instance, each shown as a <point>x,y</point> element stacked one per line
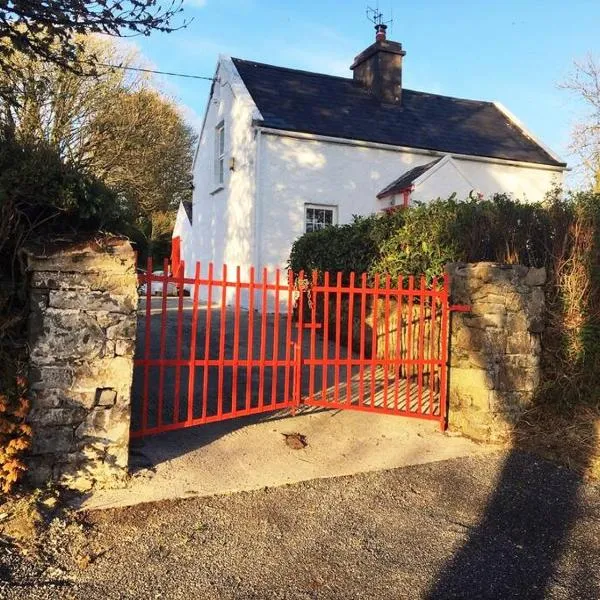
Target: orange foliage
<point>15,434</point>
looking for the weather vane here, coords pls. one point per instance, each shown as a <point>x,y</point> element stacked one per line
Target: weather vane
<point>376,17</point>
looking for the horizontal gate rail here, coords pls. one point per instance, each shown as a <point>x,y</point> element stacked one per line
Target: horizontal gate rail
<point>221,345</point>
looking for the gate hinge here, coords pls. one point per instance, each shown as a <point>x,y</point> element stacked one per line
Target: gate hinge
<point>460,308</point>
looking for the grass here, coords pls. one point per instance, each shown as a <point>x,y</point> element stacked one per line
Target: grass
<point>569,438</point>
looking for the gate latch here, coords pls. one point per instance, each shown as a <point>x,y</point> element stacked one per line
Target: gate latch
<point>460,308</point>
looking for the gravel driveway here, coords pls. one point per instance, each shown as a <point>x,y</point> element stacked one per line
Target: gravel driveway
<point>502,526</point>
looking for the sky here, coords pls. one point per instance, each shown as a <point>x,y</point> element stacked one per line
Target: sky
<point>515,51</point>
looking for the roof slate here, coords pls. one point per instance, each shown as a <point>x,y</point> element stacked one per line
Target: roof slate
<point>405,180</point>
<point>187,206</point>
<point>307,102</point>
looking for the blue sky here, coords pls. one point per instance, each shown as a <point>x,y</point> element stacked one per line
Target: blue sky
<point>515,51</point>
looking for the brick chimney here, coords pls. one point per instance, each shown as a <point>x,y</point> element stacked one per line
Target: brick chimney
<point>379,68</point>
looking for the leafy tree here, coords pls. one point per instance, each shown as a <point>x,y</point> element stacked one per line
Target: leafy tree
<point>113,126</point>
<point>144,152</point>
<point>49,29</point>
<point>584,82</point>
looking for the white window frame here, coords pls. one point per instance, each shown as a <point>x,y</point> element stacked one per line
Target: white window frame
<point>220,154</point>
<point>330,207</point>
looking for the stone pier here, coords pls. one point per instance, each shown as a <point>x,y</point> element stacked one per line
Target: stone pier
<point>495,349</point>
<point>82,328</point>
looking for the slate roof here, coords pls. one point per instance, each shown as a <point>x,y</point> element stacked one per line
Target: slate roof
<point>308,102</point>
<point>187,206</point>
<point>405,180</point>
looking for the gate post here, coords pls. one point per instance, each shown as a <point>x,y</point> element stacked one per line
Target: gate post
<point>82,328</point>
<point>495,349</point>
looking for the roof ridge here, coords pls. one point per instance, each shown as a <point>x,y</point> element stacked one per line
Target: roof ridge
<point>304,71</point>
<point>349,79</point>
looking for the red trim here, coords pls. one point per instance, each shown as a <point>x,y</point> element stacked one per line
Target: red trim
<point>175,256</point>
<point>406,197</point>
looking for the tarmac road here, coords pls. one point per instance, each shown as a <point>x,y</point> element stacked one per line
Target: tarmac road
<point>503,526</point>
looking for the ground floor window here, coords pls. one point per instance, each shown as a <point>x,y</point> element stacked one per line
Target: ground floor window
<point>318,217</point>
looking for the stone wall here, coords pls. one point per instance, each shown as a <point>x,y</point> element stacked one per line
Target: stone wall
<point>82,334</point>
<point>494,349</point>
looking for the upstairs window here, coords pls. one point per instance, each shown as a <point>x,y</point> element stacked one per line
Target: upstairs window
<point>319,216</point>
<point>220,154</point>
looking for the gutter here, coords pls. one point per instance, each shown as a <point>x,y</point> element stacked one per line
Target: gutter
<point>393,148</point>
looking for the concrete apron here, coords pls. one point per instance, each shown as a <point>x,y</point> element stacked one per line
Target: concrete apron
<point>252,453</point>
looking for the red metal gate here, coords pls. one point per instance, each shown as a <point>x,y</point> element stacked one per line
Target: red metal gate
<point>214,347</point>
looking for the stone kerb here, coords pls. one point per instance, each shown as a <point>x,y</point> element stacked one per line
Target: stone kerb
<point>82,326</point>
<point>494,349</point>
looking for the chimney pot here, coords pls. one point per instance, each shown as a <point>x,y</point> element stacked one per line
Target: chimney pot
<point>380,35</point>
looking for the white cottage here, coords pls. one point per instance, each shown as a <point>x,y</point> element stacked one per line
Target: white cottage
<point>283,151</point>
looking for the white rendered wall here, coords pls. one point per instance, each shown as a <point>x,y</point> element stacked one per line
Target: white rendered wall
<point>295,171</point>
<point>440,182</point>
<point>524,183</point>
<point>183,229</point>
<point>223,214</point>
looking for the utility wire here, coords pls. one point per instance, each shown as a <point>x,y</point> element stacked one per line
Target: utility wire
<point>156,72</point>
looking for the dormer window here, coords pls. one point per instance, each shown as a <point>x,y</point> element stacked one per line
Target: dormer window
<point>220,153</point>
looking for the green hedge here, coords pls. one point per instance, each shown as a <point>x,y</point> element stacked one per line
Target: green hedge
<point>423,238</point>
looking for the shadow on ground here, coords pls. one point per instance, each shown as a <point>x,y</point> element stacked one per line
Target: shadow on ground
<point>515,549</point>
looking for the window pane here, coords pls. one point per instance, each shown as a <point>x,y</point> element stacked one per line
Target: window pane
<point>221,171</point>
<point>221,140</point>
<point>318,218</point>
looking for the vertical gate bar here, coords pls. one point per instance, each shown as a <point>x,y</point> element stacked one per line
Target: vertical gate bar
<point>163,342</point>
<point>296,379</point>
<point>325,334</point>
<point>263,339</point>
<point>313,335</point>
<point>421,346</point>
<point>275,339</point>
<point>193,335</point>
<point>177,394</point>
<point>374,309</point>
<point>386,341</point>
<point>222,336</point>
<point>363,324</point>
<point>207,344</point>
<point>432,353</point>
<point>236,341</point>
<point>444,301</point>
<point>250,340</point>
<point>288,338</point>
<point>398,361</point>
<point>409,341</point>
<point>299,343</point>
<point>338,335</point>
<point>147,343</point>
<point>349,352</point>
